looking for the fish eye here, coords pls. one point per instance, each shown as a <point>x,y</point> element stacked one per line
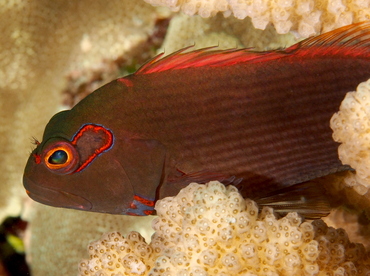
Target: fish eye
<point>58,157</point>
<point>61,157</point>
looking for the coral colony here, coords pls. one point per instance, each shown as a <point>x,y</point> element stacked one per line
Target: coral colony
<point>351,128</point>
<point>212,230</point>
<point>305,17</point>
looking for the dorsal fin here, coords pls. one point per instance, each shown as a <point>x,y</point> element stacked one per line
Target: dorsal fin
<point>355,35</point>
<point>351,40</point>
<point>204,57</point>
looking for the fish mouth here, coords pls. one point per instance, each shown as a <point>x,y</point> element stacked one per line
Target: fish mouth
<point>55,198</point>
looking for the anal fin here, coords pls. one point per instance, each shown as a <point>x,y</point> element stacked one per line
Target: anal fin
<point>306,198</point>
<point>310,199</point>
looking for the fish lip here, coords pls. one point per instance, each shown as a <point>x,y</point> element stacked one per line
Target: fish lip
<point>53,197</point>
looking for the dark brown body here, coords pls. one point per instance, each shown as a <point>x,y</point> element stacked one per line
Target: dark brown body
<point>264,122</point>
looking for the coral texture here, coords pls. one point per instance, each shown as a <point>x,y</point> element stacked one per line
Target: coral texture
<point>358,232</point>
<point>306,17</point>
<point>351,128</point>
<point>221,32</point>
<point>211,230</point>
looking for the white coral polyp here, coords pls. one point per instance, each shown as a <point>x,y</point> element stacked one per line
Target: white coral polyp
<point>304,17</point>
<point>211,230</point>
<point>351,128</point>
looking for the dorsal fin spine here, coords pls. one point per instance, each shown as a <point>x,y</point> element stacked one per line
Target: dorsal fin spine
<point>351,41</point>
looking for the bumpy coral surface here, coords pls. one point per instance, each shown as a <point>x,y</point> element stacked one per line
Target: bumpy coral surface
<point>221,32</point>
<point>211,230</point>
<point>307,17</point>
<point>351,128</point>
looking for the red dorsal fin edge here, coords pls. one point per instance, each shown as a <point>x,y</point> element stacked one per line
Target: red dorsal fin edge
<point>352,40</point>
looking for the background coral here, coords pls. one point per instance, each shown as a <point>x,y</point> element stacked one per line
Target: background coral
<point>305,17</point>
<point>356,225</point>
<point>222,32</point>
<point>211,230</point>
<point>351,128</point>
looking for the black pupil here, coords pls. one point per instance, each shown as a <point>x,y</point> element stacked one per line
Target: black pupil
<point>58,157</point>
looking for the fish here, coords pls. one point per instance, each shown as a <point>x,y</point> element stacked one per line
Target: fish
<point>256,120</point>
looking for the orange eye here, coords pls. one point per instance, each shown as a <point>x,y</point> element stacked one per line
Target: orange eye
<point>61,158</point>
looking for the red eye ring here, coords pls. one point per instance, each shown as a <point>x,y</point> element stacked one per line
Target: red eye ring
<point>61,157</point>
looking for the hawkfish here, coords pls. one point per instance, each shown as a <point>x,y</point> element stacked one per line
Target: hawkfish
<point>256,120</point>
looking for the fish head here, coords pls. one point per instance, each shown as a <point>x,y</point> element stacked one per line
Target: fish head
<point>52,177</point>
<point>93,170</point>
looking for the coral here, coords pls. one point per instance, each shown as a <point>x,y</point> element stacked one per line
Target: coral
<point>222,32</point>
<point>306,17</point>
<point>211,230</point>
<point>83,82</point>
<point>351,128</point>
<point>356,225</point>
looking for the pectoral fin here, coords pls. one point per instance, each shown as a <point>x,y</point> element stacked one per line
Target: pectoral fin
<point>143,161</point>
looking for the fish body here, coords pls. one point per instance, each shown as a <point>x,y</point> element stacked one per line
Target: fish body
<point>258,120</point>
